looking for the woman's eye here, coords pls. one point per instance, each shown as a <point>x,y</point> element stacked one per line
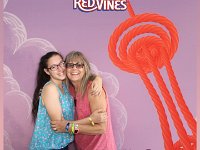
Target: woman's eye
<point>79,65</point>
<point>53,67</point>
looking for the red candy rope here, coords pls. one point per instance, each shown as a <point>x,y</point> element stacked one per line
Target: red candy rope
<point>143,49</point>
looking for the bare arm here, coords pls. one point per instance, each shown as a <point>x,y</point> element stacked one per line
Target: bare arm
<point>97,116</point>
<point>50,97</point>
<point>96,102</point>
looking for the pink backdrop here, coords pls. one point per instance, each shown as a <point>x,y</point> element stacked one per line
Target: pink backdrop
<point>34,27</point>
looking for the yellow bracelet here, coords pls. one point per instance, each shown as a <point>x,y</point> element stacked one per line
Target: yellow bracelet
<point>92,123</point>
<point>72,132</point>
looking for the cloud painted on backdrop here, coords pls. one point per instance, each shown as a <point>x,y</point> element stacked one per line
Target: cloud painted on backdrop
<point>7,142</point>
<point>21,57</point>
<point>5,3</point>
<point>16,35</point>
<point>118,111</point>
<point>22,54</point>
<point>17,112</point>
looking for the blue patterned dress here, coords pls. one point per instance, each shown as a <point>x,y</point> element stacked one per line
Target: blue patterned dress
<point>44,138</point>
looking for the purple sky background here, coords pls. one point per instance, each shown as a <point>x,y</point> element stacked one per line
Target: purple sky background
<point>69,29</point>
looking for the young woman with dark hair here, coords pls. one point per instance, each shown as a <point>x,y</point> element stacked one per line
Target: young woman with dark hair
<point>52,101</point>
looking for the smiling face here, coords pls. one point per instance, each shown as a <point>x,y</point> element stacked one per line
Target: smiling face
<point>78,70</point>
<point>75,71</point>
<point>56,69</point>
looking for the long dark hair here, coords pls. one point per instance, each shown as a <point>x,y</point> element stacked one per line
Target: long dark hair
<point>41,79</point>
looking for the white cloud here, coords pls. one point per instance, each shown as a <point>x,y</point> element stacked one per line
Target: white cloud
<point>16,38</point>
<point>5,3</point>
<point>17,111</point>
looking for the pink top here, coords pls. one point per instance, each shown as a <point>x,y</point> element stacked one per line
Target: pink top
<point>104,141</point>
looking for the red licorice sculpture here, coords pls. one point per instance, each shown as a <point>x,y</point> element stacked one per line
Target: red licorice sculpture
<point>149,44</point>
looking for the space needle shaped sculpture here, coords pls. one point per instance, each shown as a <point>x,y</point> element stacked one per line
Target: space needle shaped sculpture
<point>144,44</point>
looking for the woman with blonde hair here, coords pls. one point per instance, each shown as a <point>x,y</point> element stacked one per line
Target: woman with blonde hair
<point>93,136</point>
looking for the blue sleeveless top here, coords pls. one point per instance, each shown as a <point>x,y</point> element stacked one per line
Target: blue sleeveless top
<point>44,138</point>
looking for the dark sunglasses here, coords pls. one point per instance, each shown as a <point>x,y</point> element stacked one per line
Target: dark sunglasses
<point>71,65</point>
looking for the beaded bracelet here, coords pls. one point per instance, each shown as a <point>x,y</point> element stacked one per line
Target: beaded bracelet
<point>67,127</point>
<point>76,129</point>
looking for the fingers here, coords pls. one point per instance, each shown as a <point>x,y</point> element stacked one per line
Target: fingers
<point>100,111</point>
<point>93,87</point>
<point>99,116</point>
<point>96,90</point>
<point>53,125</point>
<point>58,126</point>
<point>56,129</point>
<point>104,117</point>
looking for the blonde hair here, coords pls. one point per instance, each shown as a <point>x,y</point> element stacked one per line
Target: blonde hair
<point>88,76</point>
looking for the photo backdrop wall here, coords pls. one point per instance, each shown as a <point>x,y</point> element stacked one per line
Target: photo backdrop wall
<point>31,28</point>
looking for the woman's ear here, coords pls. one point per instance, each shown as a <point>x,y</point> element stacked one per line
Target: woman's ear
<point>46,71</point>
